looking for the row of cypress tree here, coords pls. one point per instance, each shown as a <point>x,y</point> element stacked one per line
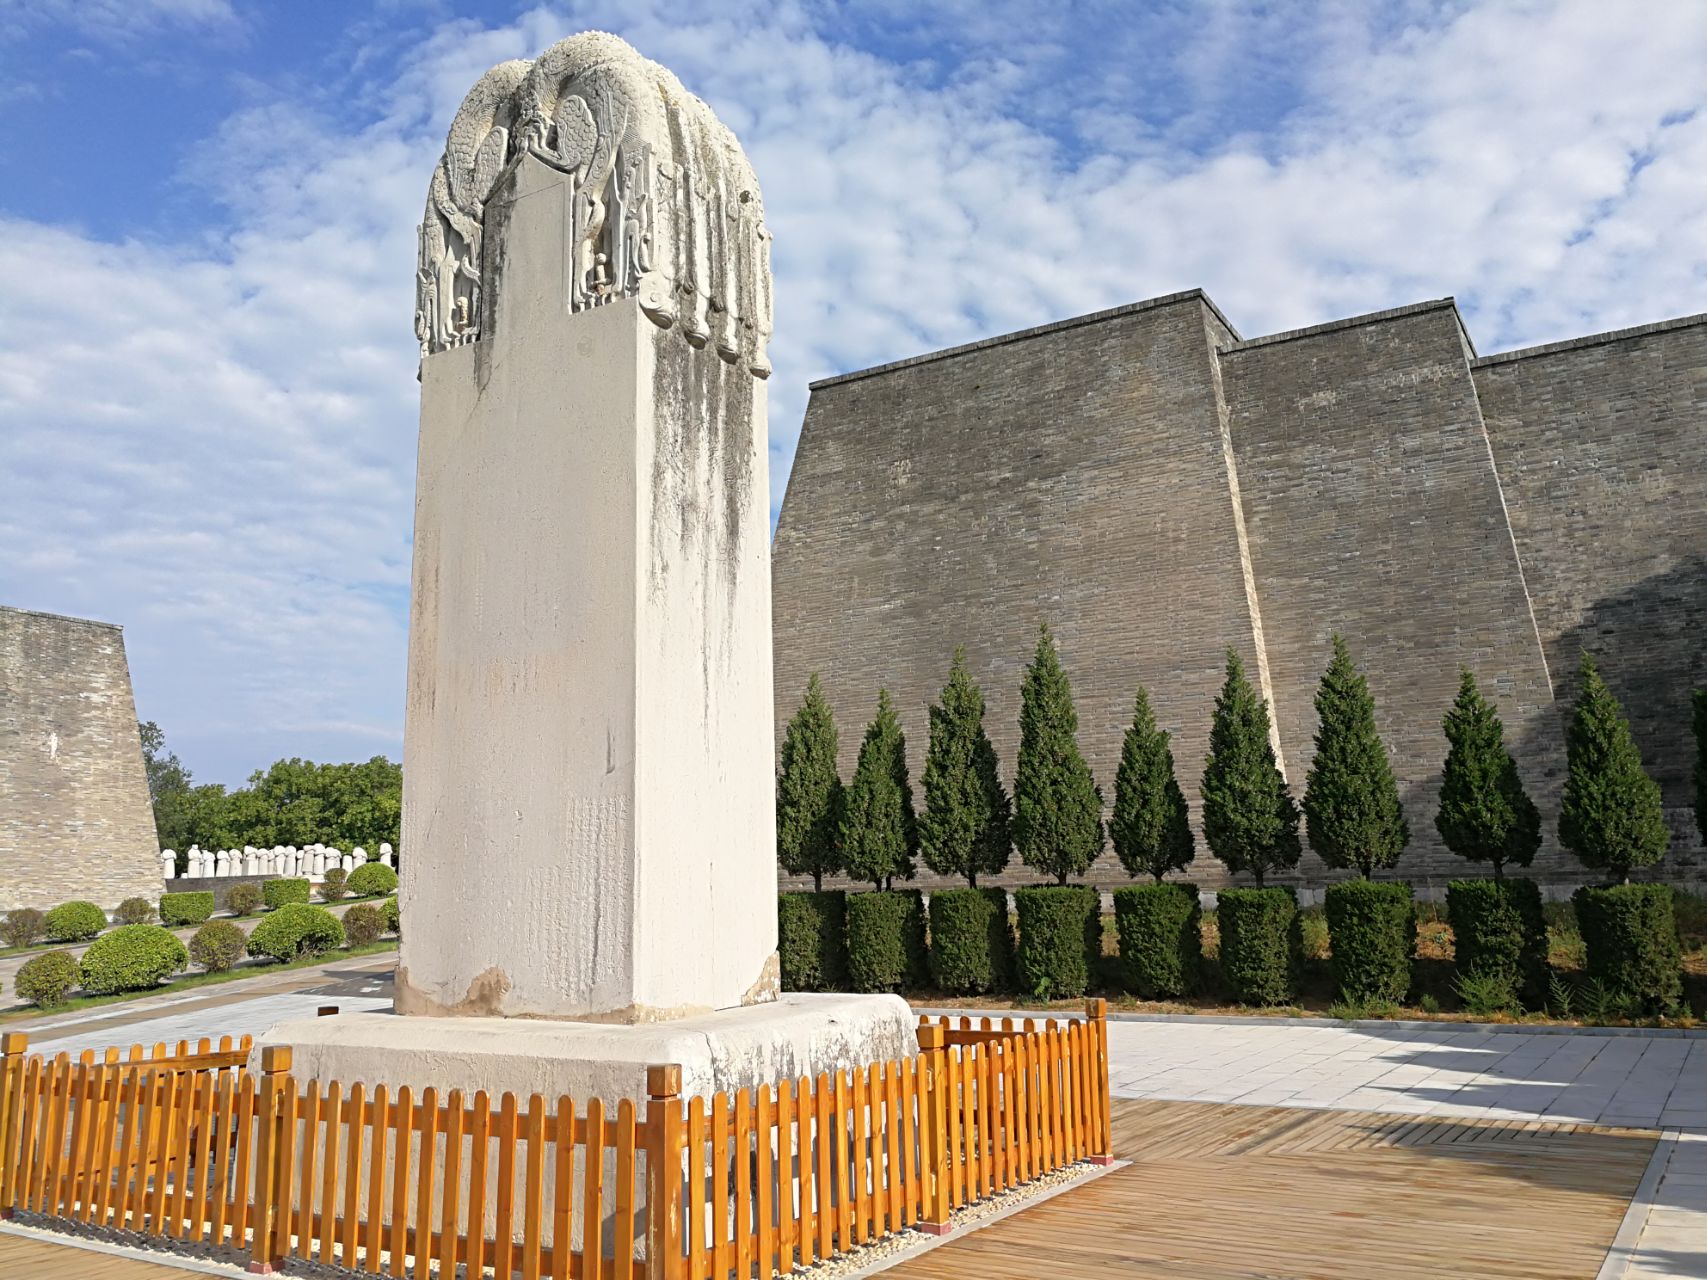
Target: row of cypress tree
<point>1611,815</point>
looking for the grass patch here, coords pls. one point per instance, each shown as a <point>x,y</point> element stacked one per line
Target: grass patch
<point>191,981</point>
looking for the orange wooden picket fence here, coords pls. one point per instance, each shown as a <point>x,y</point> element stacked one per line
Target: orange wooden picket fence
<point>187,1145</point>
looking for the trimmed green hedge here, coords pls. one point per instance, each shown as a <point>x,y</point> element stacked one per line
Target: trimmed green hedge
<point>886,941</point>
<point>812,940</point>
<point>134,911</point>
<point>372,879</point>
<point>1060,940</point>
<point>1500,934</point>
<point>363,923</point>
<point>218,945</point>
<point>74,922</point>
<point>1630,931</point>
<point>972,941</point>
<point>1260,944</point>
<point>243,899</point>
<point>1161,944</point>
<point>296,929</point>
<point>1372,931</point>
<point>133,957</point>
<point>46,980</point>
<point>282,893</point>
<point>178,909</point>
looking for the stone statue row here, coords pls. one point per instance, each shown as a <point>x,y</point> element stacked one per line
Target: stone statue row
<point>313,861</point>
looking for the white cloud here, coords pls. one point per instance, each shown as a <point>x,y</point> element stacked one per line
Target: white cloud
<point>118,20</point>
<point>212,441</point>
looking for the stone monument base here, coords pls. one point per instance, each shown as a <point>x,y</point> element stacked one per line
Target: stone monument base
<point>793,1036</point>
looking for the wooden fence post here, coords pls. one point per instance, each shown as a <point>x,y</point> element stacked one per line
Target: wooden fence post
<point>664,1135</point>
<point>1102,1145</point>
<point>12,1047</point>
<point>933,1147</point>
<point>269,1150</point>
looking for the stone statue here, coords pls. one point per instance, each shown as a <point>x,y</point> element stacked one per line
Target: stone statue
<point>168,863</point>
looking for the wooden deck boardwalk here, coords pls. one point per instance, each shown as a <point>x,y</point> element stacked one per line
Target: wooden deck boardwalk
<point>1221,1192</point>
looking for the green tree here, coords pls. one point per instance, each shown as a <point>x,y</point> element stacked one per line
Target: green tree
<point>1151,827</point>
<point>1611,816</point>
<point>1700,700</point>
<point>1485,814</point>
<point>169,790</point>
<point>1057,806</point>
<point>879,834</point>
<point>1351,802</point>
<point>809,791</point>
<point>964,830</point>
<point>1249,819</point>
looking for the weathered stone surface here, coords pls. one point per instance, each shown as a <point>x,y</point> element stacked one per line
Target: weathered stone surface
<point>75,818</point>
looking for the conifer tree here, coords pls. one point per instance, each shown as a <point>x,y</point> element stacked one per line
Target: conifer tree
<point>809,791</point>
<point>1249,819</point>
<point>879,833</point>
<point>1485,814</point>
<point>964,830</point>
<point>1611,816</point>
<point>1151,827</point>
<point>1057,806</point>
<point>1701,762</point>
<point>1351,802</point>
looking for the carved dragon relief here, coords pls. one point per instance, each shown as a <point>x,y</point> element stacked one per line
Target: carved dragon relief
<point>663,206</point>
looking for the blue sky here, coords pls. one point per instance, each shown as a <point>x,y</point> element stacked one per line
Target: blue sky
<point>207,393</point>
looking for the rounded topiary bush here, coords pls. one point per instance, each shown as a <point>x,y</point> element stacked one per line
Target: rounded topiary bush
<point>1372,931</point>
<point>1060,940</point>
<point>283,892</point>
<point>296,929</point>
<point>812,940</point>
<point>393,917</point>
<point>134,911</point>
<point>1630,934</point>
<point>74,922</point>
<point>1499,935</point>
<point>363,923</point>
<point>46,979</point>
<point>1260,944</point>
<point>372,879</point>
<point>886,940</point>
<point>133,957</point>
<point>243,899</point>
<point>22,927</point>
<point>335,885</point>
<point>179,909</point>
<point>1161,942</point>
<point>217,946</point>
<point>972,941</point>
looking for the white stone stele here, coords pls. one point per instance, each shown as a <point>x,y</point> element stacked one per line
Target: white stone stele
<point>793,1036</point>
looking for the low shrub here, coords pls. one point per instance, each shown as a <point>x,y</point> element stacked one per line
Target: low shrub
<point>243,899</point>
<point>296,929</point>
<point>178,909</point>
<point>363,923</point>
<point>1499,936</point>
<point>886,940</point>
<point>1630,932</point>
<point>22,927</point>
<point>46,980</point>
<point>1313,934</point>
<point>1161,939</point>
<point>372,879</point>
<point>217,946</point>
<point>283,892</point>
<point>1060,940</point>
<point>812,940</point>
<point>1260,944</point>
<point>1485,994</point>
<point>133,957</point>
<point>393,919</point>
<point>134,911</point>
<point>972,941</point>
<point>74,922</point>
<point>1372,932</point>
<point>336,885</point>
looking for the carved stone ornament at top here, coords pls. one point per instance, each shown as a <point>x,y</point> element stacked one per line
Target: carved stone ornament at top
<point>663,206</point>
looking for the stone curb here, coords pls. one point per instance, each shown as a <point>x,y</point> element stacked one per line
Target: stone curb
<point>1622,1251</point>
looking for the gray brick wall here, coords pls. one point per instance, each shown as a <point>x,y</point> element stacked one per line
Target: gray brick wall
<point>75,820</point>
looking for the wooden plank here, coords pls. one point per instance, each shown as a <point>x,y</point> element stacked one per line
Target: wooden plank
<point>306,1168</point>
<point>764,1124</point>
<point>159,1154</point>
<point>562,1190</point>
<point>823,1104</point>
<point>115,1190</point>
<point>533,1189</point>
<point>46,1199</point>
<point>450,1212</point>
<point>910,1202</point>
<point>373,1240</point>
<point>861,1153</point>
<point>972,1173</point>
<point>722,1252</point>
<point>286,1156</point>
<point>624,1246</point>
<point>331,1145</point>
<point>428,1160</point>
<point>243,1131</point>
<point>842,1118</point>
<point>402,1126</point>
<point>789,1149</point>
<point>956,1154</point>
<point>593,1264</point>
<point>504,1237</point>
<point>890,1074</point>
<point>354,1111</point>
<point>741,1143</point>
<point>697,1159</point>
